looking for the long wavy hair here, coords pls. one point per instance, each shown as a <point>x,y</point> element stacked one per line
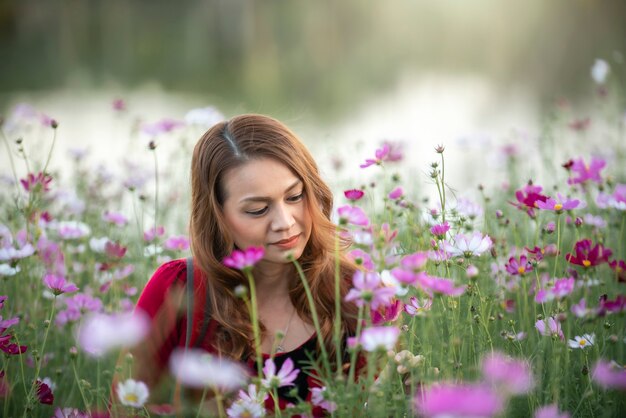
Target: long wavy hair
<point>224,147</point>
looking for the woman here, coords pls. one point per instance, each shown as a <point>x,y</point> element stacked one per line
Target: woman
<point>253,184</point>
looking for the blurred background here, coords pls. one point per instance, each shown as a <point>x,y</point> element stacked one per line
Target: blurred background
<point>472,74</point>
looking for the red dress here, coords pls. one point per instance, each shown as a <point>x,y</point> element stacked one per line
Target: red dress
<point>162,297</point>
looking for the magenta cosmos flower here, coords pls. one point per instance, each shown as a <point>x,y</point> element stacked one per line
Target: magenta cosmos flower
<point>439,285</point>
<point>528,197</point>
<point>458,400</point>
<point>285,376</point>
<point>521,267</point>
<point>440,229</point>
<point>246,259</point>
<point>609,375</point>
<point>587,256</point>
<point>388,152</point>
<point>396,193</point>
<point>583,172</point>
<point>33,183</point>
<point>619,267</point>
<point>558,205</point>
<point>353,194</point>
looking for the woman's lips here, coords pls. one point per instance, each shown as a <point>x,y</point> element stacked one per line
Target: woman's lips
<point>288,243</point>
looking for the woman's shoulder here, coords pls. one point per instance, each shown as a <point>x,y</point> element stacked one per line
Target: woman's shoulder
<point>169,275</point>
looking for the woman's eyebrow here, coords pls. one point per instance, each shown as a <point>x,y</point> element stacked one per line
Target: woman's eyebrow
<point>267,199</point>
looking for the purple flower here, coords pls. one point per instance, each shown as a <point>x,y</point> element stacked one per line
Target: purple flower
<point>507,374</point>
<point>161,127</point>
<point>367,289</point>
<point>468,209</point>
<point>551,329</point>
<point>153,233</point>
<point>619,267</point>
<point>353,194</point>
<point>616,200</point>
<point>522,267</point>
<point>561,288</point>
<point>468,246</point>
<point>379,338</point>
<point>440,229</point>
<point>580,309</point>
<point>352,215</point>
<point>319,397</point>
<point>414,262</point>
<point>528,197</point>
<point>361,258</point>
<point>415,307</point>
<point>458,400</point>
<point>285,376</point>
<point>58,284</point>
<point>246,259</point>
<point>439,285</point>
<point>609,375</point>
<point>583,172</point>
<point>559,204</point>
<point>100,333</point>
<point>114,218</point>
<point>177,243</point>
<point>396,193</point>
<point>388,152</point>
<point>611,306</point>
<point>550,411</point>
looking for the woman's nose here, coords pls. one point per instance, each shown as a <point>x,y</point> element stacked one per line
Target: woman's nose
<point>283,218</point>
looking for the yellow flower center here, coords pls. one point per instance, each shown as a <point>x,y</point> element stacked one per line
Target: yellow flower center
<point>521,270</point>
<point>558,206</point>
<point>618,269</point>
<point>586,263</point>
<point>582,342</point>
<point>131,397</point>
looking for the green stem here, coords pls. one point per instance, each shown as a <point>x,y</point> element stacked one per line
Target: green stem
<point>80,387</point>
<point>54,140</point>
<point>255,322</point>
<point>359,326</point>
<point>156,198</point>
<point>558,244</point>
<point>443,188</point>
<point>17,181</point>
<point>337,323</point>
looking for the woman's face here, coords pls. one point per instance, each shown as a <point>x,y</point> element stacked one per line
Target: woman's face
<point>265,206</point>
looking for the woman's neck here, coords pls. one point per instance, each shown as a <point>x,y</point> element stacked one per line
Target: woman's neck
<point>272,280</point>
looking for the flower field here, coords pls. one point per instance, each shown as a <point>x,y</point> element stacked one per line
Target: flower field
<point>490,302</point>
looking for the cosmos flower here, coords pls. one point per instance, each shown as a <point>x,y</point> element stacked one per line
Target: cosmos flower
<point>58,284</point>
<point>352,215</point>
<point>198,369</point>
<point>379,338</point>
<point>388,152</point>
<point>320,397</point>
<point>246,259</point>
<point>521,267</point>
<point>249,404</point>
<point>100,333</point>
<point>416,307</point>
<point>580,309</point>
<point>353,194</point>
<point>616,200</point>
<point>600,71</point>
<point>132,393</point>
<point>550,411</point>
<point>396,193</point>
<point>588,256</point>
<point>583,342</point>
<point>367,288</point>
<point>35,183</point>
<point>619,267</point>
<point>551,329</point>
<point>44,393</point>
<point>177,243</point>
<point>584,172</point>
<point>285,376</point>
<point>204,116</point>
<point>440,230</point>
<point>440,285</point>
<point>114,218</point>
<point>527,198</point>
<point>458,400</point>
<point>609,375</point>
<point>513,377</point>
<point>468,246</point>
<point>558,205</point>
<point>561,288</point>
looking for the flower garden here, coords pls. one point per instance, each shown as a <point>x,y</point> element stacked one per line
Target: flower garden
<point>485,303</point>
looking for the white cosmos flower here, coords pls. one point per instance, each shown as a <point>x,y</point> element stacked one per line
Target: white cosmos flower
<point>132,393</point>
<point>377,338</point>
<point>204,116</point>
<point>249,404</point>
<point>97,244</point>
<point>585,341</point>
<point>7,270</point>
<point>600,71</point>
<point>467,246</point>
<point>390,281</point>
<point>199,369</point>
<point>100,333</point>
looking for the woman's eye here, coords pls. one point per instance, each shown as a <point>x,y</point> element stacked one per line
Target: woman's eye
<point>257,212</point>
<point>296,198</point>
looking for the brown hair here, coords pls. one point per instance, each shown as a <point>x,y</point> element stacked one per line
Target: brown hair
<point>228,145</point>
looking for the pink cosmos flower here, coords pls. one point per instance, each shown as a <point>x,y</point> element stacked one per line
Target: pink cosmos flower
<point>550,411</point>
<point>580,309</point>
<point>249,404</point>
<point>583,172</point>
<point>552,329</point>
<point>522,267</point>
<point>177,243</point>
<point>387,313</point>
<point>561,288</point>
<point>609,375</point>
<point>396,193</point>
<point>440,229</point>
<point>528,197</point>
<point>414,262</point>
<point>71,229</point>
<point>504,373</point>
<point>198,369</point>
<point>319,397</point>
<point>353,194</point>
<point>458,400</point>
<point>367,289</point>
<point>472,271</point>
<point>114,249</point>
<point>469,209</point>
<point>558,205</point>
<point>404,277</point>
<point>153,233</point>
<point>119,105</point>
<point>439,285</point>
<point>388,152</point>
<point>161,127</point>
<point>616,200</point>
<point>70,413</point>
<point>100,333</point>
<point>468,246</point>
<point>58,284</point>
<point>361,258</point>
<point>415,307</point>
<point>114,218</point>
<point>619,267</point>
<point>34,183</point>
<point>438,256</point>
<point>352,215</point>
<point>379,338</point>
<point>588,256</point>
<point>246,259</point>
<point>285,376</point>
